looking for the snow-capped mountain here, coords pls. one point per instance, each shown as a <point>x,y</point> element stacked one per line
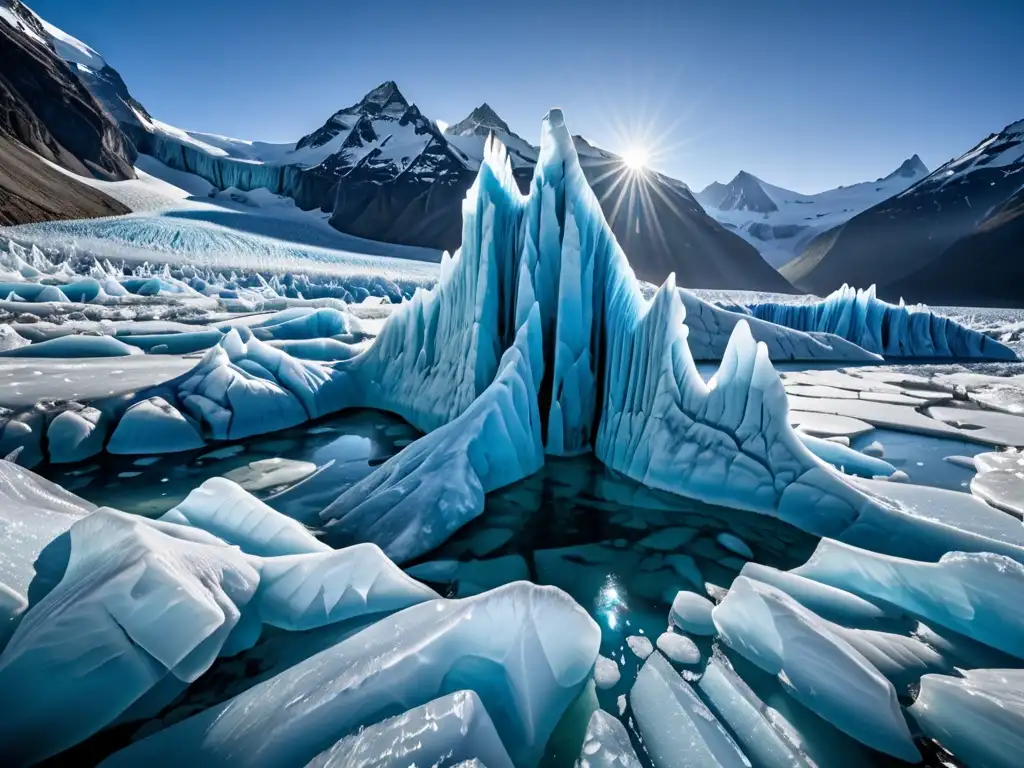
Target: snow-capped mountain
<point>46,114</point>
<point>780,222</point>
<point>384,171</point>
<point>914,232</point>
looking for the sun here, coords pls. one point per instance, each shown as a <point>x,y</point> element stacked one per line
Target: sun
<point>635,158</point>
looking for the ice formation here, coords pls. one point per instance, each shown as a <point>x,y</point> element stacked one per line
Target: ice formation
<point>1000,480</point>
<point>886,329</point>
<point>678,729</point>
<point>443,732</point>
<point>978,717</point>
<point>815,665</point>
<point>525,650</point>
<point>972,593</point>
<point>606,744</point>
<point>152,599</point>
<point>754,725</point>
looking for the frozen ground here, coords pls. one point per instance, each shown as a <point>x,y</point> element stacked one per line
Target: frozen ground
<point>726,589</point>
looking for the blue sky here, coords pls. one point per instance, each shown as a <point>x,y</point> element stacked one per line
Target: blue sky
<point>806,94</point>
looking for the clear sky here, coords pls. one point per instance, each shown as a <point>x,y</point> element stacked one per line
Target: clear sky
<point>806,94</point>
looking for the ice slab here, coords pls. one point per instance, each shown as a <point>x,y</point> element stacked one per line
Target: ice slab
<point>692,613</point>
<point>994,427</point>
<point>979,717</point>
<point>267,473</point>
<point>827,424</point>
<point>970,593</point>
<point>815,665</point>
<point>75,435</point>
<point>1000,480</point>
<point>75,346</point>
<point>606,673</point>
<point>33,513</point>
<point>441,733</point>
<point>226,510</point>
<point>606,744</point>
<point>849,461</point>
<point>678,648</point>
<point>525,650</point>
<point>750,720</point>
<point>140,600</point>
<point>678,729</point>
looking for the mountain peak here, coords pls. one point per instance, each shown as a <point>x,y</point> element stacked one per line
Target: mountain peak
<point>386,97</point>
<point>480,122</point>
<point>912,167</point>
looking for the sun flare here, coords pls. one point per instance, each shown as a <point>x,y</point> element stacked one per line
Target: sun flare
<point>635,158</point>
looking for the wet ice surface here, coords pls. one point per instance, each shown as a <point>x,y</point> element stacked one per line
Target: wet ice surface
<point>26,381</point>
<point>344,449</point>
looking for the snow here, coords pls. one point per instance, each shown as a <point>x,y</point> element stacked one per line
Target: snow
<point>972,593</point>
<point>781,234</point>
<point>678,729</point>
<point>692,613</point>
<point>445,731</point>
<point>526,650</point>
<point>755,725</point>
<point>814,664</point>
<point>678,648</point>
<point>979,717</point>
<point>606,744</point>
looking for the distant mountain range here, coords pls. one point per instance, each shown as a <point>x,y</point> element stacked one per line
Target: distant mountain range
<point>955,237</point>
<point>385,171</point>
<point>780,223</point>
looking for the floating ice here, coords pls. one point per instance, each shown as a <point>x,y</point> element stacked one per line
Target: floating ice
<point>979,717</point>
<point>153,598</point>
<point>678,729</point>
<point>752,722</point>
<point>525,650</point>
<point>606,744</point>
<point>267,473</point>
<point>692,613</point>
<point>848,460</point>
<point>678,648</point>
<point>875,449</point>
<point>1000,480</point>
<point>443,732</point>
<point>640,646</point>
<point>887,329</point>
<point>975,594</point>
<point>816,666</point>
<point>75,435</point>
<point>734,543</point>
<point>606,673</point>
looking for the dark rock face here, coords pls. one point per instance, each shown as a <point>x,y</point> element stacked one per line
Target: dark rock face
<point>45,110</point>
<point>44,106</point>
<point>900,243</point>
<point>983,268</point>
<point>712,195</point>
<point>32,191</point>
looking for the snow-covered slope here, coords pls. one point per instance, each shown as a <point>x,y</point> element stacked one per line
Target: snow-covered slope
<point>905,235</point>
<point>780,222</point>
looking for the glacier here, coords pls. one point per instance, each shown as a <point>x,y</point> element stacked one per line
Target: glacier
<point>892,330</point>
